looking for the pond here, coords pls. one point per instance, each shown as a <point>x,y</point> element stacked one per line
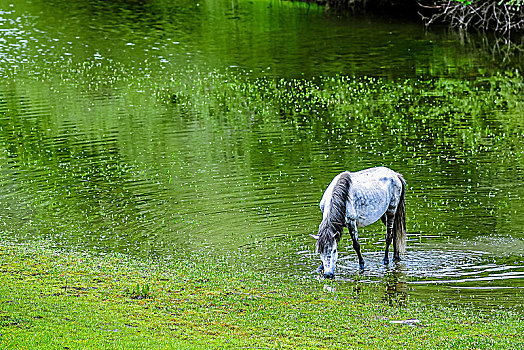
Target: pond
<point>160,128</point>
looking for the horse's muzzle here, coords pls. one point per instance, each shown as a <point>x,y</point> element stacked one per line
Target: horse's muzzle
<point>329,275</point>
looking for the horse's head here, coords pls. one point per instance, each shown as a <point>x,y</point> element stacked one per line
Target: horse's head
<point>327,239</point>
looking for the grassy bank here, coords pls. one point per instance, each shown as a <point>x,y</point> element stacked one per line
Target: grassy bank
<point>57,300</point>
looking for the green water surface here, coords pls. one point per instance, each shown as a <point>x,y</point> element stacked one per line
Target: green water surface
<point>162,127</point>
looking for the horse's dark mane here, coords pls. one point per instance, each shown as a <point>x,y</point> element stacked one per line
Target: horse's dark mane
<point>331,227</point>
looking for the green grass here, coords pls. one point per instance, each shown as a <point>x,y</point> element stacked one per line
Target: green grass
<point>60,300</point>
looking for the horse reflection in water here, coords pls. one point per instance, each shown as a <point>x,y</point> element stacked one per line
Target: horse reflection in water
<point>356,200</point>
<point>395,287</point>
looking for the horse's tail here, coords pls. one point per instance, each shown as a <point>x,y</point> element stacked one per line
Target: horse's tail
<point>399,224</point>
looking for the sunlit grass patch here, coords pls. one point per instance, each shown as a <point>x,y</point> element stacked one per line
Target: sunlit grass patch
<point>51,299</point>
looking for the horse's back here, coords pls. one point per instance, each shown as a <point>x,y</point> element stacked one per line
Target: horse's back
<point>380,178</point>
<point>372,193</point>
<point>373,173</point>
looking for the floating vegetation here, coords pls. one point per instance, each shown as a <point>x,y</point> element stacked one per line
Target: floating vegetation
<point>465,113</point>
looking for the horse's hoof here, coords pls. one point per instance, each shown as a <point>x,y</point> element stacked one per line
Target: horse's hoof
<point>396,259</point>
<point>386,261</point>
<point>361,266</point>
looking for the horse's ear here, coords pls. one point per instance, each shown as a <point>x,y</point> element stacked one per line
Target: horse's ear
<point>315,237</point>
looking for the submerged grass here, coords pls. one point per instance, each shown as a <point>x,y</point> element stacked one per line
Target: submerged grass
<point>51,300</point>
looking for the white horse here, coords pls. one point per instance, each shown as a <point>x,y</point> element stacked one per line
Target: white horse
<point>357,200</point>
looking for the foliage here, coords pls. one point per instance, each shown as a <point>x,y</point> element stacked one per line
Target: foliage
<point>501,16</point>
<point>498,15</point>
<point>508,2</point>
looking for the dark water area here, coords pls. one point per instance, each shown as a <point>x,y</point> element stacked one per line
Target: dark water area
<point>262,37</point>
<point>158,128</point>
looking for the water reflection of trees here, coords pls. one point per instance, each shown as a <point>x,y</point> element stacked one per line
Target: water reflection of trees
<point>506,50</point>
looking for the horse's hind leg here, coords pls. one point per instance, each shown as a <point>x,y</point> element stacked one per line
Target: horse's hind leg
<point>389,218</point>
<point>352,227</point>
<point>396,253</point>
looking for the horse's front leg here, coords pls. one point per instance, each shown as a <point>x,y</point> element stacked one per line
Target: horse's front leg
<point>389,237</point>
<point>352,227</point>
